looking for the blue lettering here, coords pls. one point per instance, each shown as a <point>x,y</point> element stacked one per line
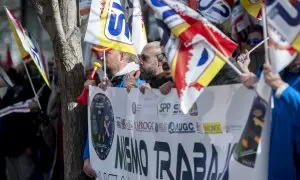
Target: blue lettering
<point>119,21</point>
<point>281,11</point>
<point>203,8</point>
<point>225,12</point>
<point>34,52</point>
<point>117,6</point>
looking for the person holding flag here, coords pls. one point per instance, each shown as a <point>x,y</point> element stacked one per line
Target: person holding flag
<point>284,155</point>
<point>196,50</point>
<point>120,73</point>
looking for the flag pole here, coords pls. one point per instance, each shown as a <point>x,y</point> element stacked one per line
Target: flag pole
<point>249,52</point>
<point>226,60</point>
<point>104,63</point>
<point>35,94</point>
<point>265,31</point>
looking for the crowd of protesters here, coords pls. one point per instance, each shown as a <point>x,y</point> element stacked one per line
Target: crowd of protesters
<point>31,145</point>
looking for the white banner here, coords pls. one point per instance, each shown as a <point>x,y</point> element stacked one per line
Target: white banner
<point>136,136</point>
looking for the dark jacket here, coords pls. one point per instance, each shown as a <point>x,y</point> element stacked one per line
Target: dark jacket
<point>160,79</point>
<point>226,76</point>
<point>19,130</point>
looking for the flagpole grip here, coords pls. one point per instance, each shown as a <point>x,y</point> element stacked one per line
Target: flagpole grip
<point>35,94</point>
<point>83,98</point>
<point>263,42</point>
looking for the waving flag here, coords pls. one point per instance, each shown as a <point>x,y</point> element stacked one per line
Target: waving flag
<point>253,7</point>
<point>284,16</point>
<point>281,54</point>
<point>107,26</point>
<point>20,107</point>
<point>192,46</point>
<point>26,47</point>
<point>136,24</point>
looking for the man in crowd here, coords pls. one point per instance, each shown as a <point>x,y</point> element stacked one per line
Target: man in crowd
<point>284,153</point>
<point>152,63</point>
<point>121,73</point>
<point>257,56</point>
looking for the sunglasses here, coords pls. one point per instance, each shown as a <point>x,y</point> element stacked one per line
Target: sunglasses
<point>254,41</point>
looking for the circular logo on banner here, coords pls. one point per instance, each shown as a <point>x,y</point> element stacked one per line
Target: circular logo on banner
<point>102,117</point>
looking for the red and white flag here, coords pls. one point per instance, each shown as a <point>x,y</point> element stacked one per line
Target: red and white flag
<point>193,46</point>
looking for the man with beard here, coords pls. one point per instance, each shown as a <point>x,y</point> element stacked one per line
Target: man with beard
<point>256,58</point>
<point>284,152</point>
<point>152,63</point>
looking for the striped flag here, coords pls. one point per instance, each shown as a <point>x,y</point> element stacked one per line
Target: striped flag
<point>107,26</point>
<point>193,47</point>
<point>136,24</point>
<point>284,16</point>
<point>26,46</point>
<point>20,107</point>
<point>253,7</point>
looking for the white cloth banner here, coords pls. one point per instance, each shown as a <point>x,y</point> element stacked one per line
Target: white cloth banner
<point>146,136</point>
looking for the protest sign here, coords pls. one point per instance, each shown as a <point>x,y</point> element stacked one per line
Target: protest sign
<point>146,136</point>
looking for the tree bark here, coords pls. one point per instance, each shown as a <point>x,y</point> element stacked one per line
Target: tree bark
<point>60,19</point>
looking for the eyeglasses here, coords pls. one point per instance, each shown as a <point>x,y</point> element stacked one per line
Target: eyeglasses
<point>254,41</point>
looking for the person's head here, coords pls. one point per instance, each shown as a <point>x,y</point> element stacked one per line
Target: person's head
<point>152,59</point>
<point>255,36</point>
<point>116,61</point>
<point>257,57</point>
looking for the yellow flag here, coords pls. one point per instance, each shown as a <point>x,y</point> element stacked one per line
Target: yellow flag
<point>26,47</point>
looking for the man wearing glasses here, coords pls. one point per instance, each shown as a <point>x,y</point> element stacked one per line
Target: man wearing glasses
<point>154,67</point>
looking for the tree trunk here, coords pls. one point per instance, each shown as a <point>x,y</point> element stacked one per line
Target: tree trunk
<point>60,19</point>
